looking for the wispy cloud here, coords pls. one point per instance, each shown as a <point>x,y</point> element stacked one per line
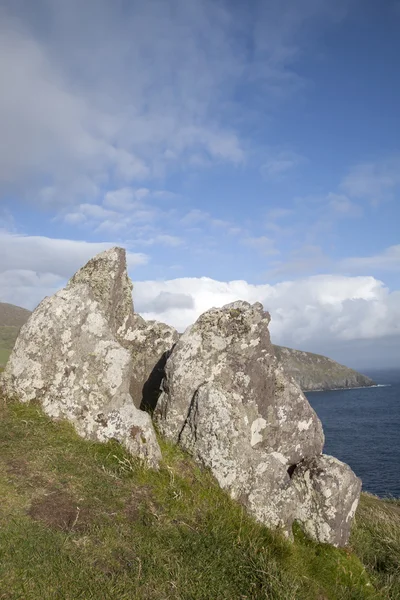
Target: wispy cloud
<point>263,244</point>
<point>342,206</point>
<point>280,163</point>
<point>374,181</point>
<point>387,260</point>
<point>141,92</point>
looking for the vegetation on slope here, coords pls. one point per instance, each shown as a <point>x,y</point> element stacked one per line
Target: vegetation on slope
<point>317,372</point>
<point>11,320</point>
<point>13,316</point>
<point>82,520</point>
<point>8,335</point>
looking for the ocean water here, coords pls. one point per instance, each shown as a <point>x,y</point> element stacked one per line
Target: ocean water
<point>362,428</point>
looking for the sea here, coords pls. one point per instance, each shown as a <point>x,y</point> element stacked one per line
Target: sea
<point>362,428</point>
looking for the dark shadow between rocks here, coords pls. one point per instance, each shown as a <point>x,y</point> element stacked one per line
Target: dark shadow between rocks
<point>152,388</point>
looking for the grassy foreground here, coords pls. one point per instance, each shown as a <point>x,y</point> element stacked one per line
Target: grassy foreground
<point>81,520</point>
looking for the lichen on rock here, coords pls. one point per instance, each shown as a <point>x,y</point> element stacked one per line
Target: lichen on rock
<point>227,400</point>
<point>69,356</point>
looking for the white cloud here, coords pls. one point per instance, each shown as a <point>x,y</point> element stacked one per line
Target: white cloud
<point>280,163</point>
<point>276,214</point>
<point>306,259</point>
<point>163,239</point>
<point>342,206</point>
<point>194,217</point>
<point>388,260</point>
<point>375,181</point>
<point>263,244</point>
<point>58,257</point>
<point>316,310</point>
<point>71,112</point>
<point>140,91</point>
<point>125,198</point>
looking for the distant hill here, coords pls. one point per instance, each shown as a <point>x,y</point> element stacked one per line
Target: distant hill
<point>13,316</point>
<point>317,372</point>
<point>312,371</point>
<point>11,320</point>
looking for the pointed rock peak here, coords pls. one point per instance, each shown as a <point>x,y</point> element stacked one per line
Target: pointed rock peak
<point>108,280</point>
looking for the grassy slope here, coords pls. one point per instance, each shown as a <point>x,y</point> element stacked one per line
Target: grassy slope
<point>8,335</point>
<point>80,520</point>
<point>11,320</point>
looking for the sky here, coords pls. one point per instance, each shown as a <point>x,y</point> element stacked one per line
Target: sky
<point>237,150</point>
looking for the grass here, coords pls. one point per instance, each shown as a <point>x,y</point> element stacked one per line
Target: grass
<point>4,354</point>
<point>81,520</point>
<point>8,335</point>
<point>376,540</point>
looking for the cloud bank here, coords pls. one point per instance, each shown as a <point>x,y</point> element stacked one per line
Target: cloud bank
<point>315,313</point>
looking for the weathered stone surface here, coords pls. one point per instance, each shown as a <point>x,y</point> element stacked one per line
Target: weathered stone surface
<point>228,402</point>
<point>149,343</point>
<point>69,356</point>
<point>228,350</point>
<point>328,492</point>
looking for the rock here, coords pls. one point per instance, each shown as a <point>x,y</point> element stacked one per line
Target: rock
<point>227,400</point>
<point>70,357</point>
<point>228,349</point>
<point>149,343</point>
<point>328,493</point>
<point>317,372</point>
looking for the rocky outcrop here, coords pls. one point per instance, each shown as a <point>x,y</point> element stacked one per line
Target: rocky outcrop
<point>317,372</point>
<point>227,400</point>
<point>149,343</point>
<point>225,397</point>
<point>72,356</point>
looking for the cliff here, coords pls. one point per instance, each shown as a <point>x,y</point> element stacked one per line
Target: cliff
<point>316,372</point>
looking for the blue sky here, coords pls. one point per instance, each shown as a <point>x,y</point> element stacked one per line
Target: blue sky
<point>235,149</point>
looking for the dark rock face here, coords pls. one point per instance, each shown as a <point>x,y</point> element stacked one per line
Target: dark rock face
<point>317,372</point>
<point>227,400</point>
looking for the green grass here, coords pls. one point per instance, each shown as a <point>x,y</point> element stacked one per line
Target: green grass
<point>81,520</point>
<point>4,354</point>
<point>8,335</point>
<point>376,540</point>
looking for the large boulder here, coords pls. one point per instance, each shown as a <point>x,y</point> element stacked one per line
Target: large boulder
<point>328,494</point>
<point>69,356</point>
<point>227,400</point>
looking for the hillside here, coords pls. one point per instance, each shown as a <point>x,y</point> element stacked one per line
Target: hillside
<point>84,520</point>
<point>11,320</point>
<point>317,372</point>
